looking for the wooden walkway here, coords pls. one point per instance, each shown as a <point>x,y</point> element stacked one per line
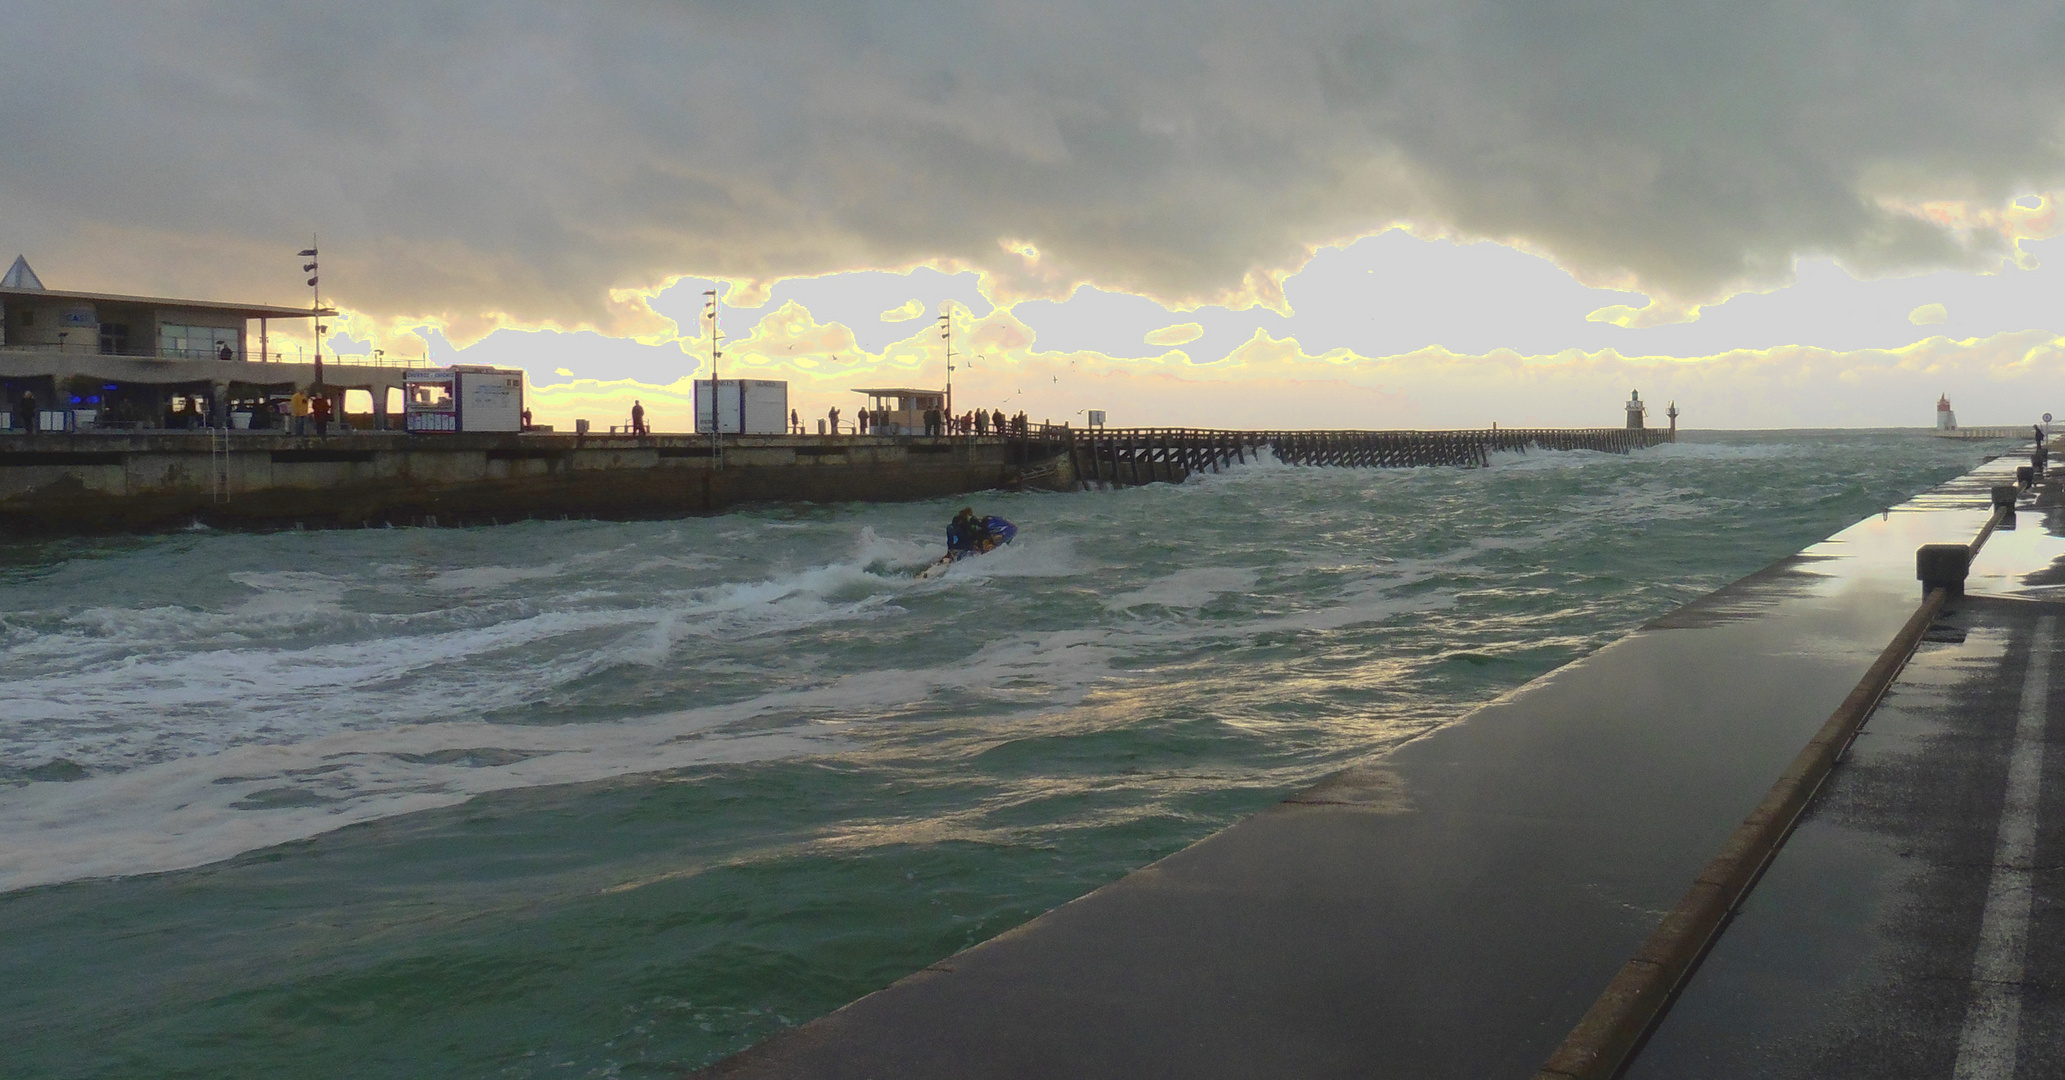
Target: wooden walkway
<point>1129,456</point>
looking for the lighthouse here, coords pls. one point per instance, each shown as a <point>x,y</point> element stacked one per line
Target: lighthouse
<point>1636,410</point>
<point>1945,419</point>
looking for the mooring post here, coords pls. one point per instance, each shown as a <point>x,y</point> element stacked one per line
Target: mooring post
<point>1943,566</point>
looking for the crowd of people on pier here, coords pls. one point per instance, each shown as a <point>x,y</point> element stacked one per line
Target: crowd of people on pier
<point>934,422</point>
<point>314,411</point>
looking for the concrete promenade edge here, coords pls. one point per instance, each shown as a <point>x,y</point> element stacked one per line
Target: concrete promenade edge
<point>1914,925</point>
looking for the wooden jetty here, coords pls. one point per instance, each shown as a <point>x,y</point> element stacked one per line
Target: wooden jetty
<point>1129,456</point>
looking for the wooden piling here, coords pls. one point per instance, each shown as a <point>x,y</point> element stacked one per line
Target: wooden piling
<point>1134,456</point>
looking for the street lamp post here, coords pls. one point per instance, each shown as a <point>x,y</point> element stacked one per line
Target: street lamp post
<point>716,421</point>
<point>946,322</point>
<point>315,306</point>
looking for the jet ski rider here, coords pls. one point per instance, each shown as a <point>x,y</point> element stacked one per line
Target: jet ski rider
<point>968,533</point>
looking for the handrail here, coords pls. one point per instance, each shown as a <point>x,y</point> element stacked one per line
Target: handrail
<point>89,348</point>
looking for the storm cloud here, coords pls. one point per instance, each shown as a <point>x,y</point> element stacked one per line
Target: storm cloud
<point>525,163</point>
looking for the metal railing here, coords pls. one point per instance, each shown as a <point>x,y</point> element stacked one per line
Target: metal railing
<point>380,360</point>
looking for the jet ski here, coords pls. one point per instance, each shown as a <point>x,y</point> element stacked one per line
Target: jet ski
<point>968,537</point>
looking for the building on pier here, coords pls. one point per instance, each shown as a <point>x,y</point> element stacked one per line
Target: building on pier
<point>101,359</point>
<point>902,408</point>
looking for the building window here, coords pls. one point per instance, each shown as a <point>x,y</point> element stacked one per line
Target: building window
<point>197,342</point>
<point>114,339</point>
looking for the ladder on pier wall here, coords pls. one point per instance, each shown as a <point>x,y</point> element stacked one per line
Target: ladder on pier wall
<point>218,465</point>
<point>1128,456</point>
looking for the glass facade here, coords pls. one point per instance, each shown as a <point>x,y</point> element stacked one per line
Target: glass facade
<point>198,342</point>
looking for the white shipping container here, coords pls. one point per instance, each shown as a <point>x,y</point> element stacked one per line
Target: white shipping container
<point>464,398</point>
<point>490,399</point>
<point>748,406</point>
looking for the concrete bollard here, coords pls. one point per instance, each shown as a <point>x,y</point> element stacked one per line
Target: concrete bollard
<point>1943,566</point>
<point>2004,496</point>
<point>2025,476</point>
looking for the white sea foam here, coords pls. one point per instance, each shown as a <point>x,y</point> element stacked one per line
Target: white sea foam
<point>201,753</point>
<point>1191,589</point>
<point>204,807</point>
<point>197,810</point>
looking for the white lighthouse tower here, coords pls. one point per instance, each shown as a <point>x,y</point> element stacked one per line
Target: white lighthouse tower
<point>1945,419</point>
<point>1636,410</point>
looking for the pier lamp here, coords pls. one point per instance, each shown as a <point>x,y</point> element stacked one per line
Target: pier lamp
<point>716,425</point>
<point>315,308</point>
<point>946,323</point>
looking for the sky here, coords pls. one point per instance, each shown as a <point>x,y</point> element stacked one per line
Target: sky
<point>1307,213</point>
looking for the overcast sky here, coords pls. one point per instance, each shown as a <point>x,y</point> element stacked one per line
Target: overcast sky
<point>1392,212</point>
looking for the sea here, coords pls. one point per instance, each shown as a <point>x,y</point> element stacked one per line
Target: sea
<point>592,799</point>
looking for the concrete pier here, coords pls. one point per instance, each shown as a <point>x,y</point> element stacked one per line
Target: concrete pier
<point>133,482</point>
<point>1452,908</point>
<point>91,482</point>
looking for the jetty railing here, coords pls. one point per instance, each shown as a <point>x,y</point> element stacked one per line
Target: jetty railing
<point>1129,456</point>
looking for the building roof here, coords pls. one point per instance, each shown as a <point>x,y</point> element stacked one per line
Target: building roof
<point>19,276</point>
<point>22,281</point>
<point>903,391</point>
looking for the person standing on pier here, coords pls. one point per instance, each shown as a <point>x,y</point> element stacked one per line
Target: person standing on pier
<point>832,417</point>
<point>320,408</point>
<point>298,405</point>
<point>981,422</point>
<point>795,423</point>
<point>27,418</point>
<point>637,417</point>
<point>996,421</point>
<point>862,422</point>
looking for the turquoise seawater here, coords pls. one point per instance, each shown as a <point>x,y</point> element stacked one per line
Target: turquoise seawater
<point>590,799</point>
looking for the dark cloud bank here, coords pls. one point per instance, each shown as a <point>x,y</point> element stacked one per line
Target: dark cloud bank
<point>523,158</point>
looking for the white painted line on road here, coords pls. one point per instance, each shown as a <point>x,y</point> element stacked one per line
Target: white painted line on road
<point>1986,1048</point>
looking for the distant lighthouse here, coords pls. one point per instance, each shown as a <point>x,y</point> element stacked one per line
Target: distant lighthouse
<point>1945,419</point>
<point>1636,410</point>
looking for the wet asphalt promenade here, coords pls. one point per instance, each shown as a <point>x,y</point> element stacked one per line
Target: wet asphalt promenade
<point>1914,924</point>
<point>1452,908</point>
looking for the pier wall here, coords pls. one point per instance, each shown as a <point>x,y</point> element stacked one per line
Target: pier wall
<point>90,482</point>
<point>87,483</point>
